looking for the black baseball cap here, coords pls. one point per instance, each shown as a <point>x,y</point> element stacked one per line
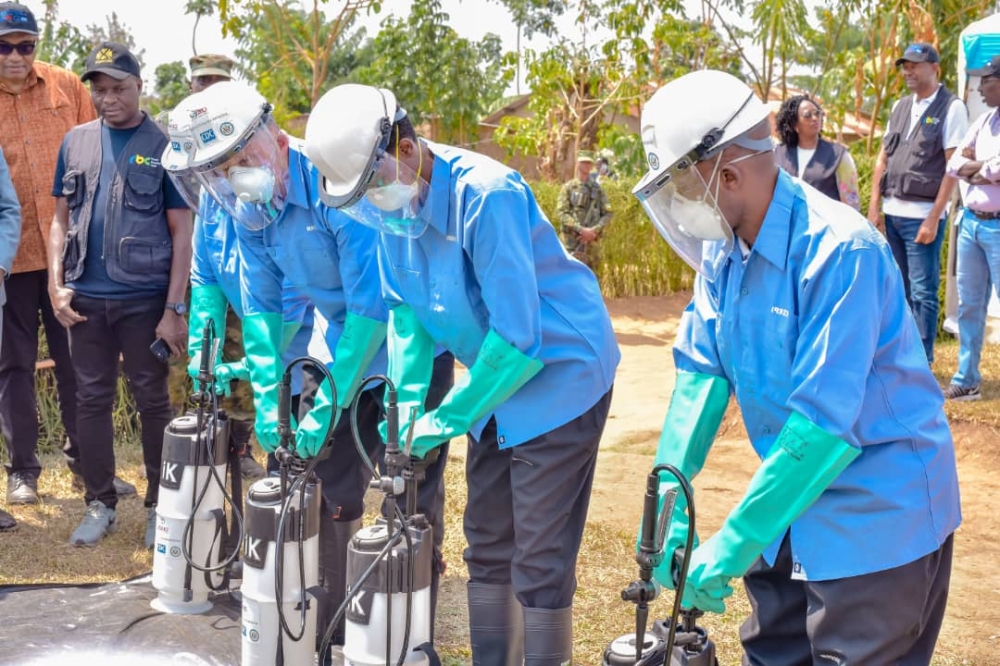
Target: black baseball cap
<point>919,52</point>
<point>992,68</point>
<point>113,59</point>
<point>16,17</point>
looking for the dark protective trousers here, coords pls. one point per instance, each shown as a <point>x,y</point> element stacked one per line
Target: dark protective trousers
<point>528,506</point>
<point>885,618</point>
<point>345,476</point>
<point>27,296</point>
<point>127,327</point>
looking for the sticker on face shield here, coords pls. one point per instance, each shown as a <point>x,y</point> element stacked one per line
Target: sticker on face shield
<point>226,128</point>
<point>208,136</point>
<point>654,161</point>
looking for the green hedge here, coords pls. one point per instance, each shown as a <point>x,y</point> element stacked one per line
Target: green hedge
<point>635,260</point>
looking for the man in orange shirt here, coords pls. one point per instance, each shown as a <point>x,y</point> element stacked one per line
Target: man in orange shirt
<point>39,103</point>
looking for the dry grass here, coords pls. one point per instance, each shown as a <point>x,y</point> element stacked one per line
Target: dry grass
<point>982,412</point>
<point>39,551</point>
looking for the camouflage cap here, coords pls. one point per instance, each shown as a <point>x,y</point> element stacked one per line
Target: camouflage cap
<point>211,64</point>
<point>584,156</point>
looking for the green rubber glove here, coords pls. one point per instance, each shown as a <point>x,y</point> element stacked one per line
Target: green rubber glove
<point>697,406</point>
<point>207,302</point>
<point>411,363</point>
<point>356,348</point>
<point>499,371</point>
<point>803,461</point>
<point>226,373</point>
<point>262,343</point>
<point>288,331</point>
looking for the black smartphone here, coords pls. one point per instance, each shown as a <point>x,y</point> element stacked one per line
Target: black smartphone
<point>161,350</point>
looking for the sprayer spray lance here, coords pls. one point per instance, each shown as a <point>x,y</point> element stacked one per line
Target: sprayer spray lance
<point>648,556</point>
<point>192,535</point>
<point>669,643</point>
<point>281,593</point>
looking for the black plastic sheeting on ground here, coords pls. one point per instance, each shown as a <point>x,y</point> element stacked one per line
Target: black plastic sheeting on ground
<point>112,624</point>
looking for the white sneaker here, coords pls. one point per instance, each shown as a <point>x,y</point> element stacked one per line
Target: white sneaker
<point>98,522</point>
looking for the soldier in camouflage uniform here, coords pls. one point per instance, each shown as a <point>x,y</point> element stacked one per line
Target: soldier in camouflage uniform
<point>209,68</point>
<point>583,212</point>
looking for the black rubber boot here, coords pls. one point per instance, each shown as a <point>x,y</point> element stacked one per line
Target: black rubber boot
<point>495,628</point>
<point>548,637</point>
<point>239,441</point>
<point>335,535</point>
<point>7,522</point>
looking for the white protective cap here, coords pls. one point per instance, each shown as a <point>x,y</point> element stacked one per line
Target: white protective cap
<point>695,115</point>
<point>348,130</point>
<point>181,146</point>
<point>223,118</point>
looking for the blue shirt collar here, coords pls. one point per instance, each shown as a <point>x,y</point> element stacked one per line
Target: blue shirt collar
<point>435,209</point>
<point>300,171</point>
<point>772,239</point>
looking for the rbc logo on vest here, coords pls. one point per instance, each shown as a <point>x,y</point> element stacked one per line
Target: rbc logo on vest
<point>143,160</point>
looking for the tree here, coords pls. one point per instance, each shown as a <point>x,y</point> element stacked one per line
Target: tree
<point>61,42</point>
<point>440,78</point>
<point>170,88</point>
<point>289,46</point>
<point>199,8</point>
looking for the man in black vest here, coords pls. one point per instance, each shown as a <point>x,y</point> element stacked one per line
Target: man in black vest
<point>911,183</point>
<point>119,260</point>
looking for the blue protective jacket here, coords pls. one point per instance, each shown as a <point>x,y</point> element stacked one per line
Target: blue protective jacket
<point>815,320</point>
<point>320,251</point>
<point>489,259</point>
<point>215,261</point>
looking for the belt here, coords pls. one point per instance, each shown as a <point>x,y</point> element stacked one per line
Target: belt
<point>995,215</point>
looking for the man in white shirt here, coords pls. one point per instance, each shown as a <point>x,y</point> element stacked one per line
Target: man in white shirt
<point>977,162</point>
<point>911,183</point>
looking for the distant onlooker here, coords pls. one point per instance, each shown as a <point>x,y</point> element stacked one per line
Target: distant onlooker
<point>604,171</point>
<point>803,152</point>
<point>911,185</point>
<point>208,69</point>
<point>977,162</point>
<point>583,211</point>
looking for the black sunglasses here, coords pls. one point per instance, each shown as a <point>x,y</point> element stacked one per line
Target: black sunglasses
<point>24,48</point>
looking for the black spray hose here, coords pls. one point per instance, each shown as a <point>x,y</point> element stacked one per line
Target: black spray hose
<point>651,554</point>
<point>206,378</point>
<point>286,434</point>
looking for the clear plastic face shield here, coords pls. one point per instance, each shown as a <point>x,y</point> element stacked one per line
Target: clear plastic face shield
<point>175,162</point>
<point>176,156</point>
<point>389,195</point>
<point>683,205</point>
<point>250,180</point>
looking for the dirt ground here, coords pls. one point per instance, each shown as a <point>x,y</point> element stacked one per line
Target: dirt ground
<point>646,328</point>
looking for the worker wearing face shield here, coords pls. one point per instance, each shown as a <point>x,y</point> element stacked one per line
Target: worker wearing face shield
<point>263,181</point>
<point>469,262</point>
<point>215,286</point>
<point>800,311</point>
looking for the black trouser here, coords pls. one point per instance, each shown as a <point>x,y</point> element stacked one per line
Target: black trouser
<point>888,617</point>
<point>127,327</point>
<point>527,508</point>
<point>345,476</point>
<point>27,295</point>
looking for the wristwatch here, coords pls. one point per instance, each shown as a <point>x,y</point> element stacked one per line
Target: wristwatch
<point>179,308</point>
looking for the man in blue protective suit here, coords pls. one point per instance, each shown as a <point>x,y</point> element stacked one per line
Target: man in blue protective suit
<point>215,286</point>
<point>262,179</point>
<point>469,261</point>
<point>798,309</point>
